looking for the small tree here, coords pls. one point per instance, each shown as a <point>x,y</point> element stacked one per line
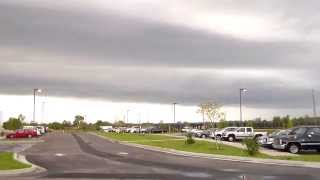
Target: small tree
<point>252,146</point>
<point>13,124</point>
<point>78,120</point>
<point>190,140</point>
<point>213,113</point>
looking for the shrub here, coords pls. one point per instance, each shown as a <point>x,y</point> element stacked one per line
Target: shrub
<point>252,146</point>
<point>190,140</point>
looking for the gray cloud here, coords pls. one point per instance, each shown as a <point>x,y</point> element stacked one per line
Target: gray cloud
<point>112,56</point>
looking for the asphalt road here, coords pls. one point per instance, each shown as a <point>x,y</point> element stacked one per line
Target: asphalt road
<point>81,155</point>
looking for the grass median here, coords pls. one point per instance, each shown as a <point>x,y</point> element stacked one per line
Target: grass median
<point>7,162</point>
<point>176,143</point>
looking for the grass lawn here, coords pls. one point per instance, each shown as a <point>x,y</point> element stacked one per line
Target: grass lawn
<point>314,157</point>
<point>179,144</point>
<point>200,146</point>
<point>8,163</point>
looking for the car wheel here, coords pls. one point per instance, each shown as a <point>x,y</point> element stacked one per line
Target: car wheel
<point>293,148</point>
<point>29,136</point>
<point>231,138</point>
<point>203,136</point>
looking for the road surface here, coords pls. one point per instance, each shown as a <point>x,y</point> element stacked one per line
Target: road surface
<point>82,155</point>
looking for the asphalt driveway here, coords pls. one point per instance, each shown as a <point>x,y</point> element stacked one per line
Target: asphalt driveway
<point>82,155</point>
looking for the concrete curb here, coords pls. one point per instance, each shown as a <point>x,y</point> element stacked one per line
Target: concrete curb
<point>20,141</point>
<point>220,157</point>
<point>22,159</point>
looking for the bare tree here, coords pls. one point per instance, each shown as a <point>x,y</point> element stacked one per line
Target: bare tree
<point>213,112</point>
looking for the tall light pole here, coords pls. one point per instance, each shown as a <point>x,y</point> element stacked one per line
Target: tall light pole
<point>128,116</point>
<point>314,103</point>
<point>174,112</point>
<point>35,91</point>
<point>242,90</point>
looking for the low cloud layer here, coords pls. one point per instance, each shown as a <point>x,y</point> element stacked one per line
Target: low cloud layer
<point>119,54</point>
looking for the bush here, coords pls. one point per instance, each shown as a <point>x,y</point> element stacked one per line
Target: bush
<point>1,133</point>
<point>190,140</point>
<point>252,146</point>
<point>12,124</point>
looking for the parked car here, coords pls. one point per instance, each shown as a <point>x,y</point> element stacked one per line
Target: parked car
<point>120,129</point>
<point>41,129</point>
<point>195,131</point>
<point>106,128</point>
<point>218,133</point>
<point>23,133</point>
<point>34,128</point>
<point>300,138</point>
<point>242,133</point>
<point>267,140</point>
<point>205,133</point>
<point>186,129</point>
<point>154,130</point>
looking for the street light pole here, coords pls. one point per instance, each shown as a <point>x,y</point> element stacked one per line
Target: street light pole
<point>174,113</point>
<point>314,103</point>
<point>128,116</point>
<point>34,103</point>
<point>241,91</point>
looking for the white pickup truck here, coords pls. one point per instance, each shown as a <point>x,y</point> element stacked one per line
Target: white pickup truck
<point>242,133</point>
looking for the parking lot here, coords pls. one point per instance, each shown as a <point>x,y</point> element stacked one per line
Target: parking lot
<point>83,155</point>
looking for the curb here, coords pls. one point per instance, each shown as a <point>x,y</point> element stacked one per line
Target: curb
<point>20,141</point>
<point>219,157</point>
<point>22,159</point>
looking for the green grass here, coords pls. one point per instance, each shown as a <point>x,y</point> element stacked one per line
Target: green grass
<point>136,137</point>
<point>7,162</point>
<point>163,141</point>
<point>314,157</point>
<point>179,144</point>
<point>201,147</point>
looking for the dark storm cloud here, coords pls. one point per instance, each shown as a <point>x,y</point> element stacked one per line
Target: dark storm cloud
<point>94,55</point>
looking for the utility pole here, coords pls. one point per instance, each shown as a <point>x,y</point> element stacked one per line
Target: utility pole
<point>34,103</point>
<point>241,91</point>
<point>204,125</point>
<point>314,103</point>
<point>174,115</point>
<point>128,116</point>
<point>42,112</point>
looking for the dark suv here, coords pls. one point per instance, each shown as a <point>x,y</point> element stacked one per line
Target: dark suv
<point>304,137</point>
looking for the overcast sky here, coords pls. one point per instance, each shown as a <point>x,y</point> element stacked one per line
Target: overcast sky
<point>152,53</point>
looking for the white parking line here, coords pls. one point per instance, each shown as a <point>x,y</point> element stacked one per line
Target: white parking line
<point>123,153</point>
<point>59,154</point>
<point>230,170</point>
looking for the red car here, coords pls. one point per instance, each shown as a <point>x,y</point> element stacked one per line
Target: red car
<point>23,133</point>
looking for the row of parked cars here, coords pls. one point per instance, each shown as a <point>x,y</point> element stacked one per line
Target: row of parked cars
<point>28,132</point>
<point>292,140</point>
<point>133,129</point>
<point>229,133</point>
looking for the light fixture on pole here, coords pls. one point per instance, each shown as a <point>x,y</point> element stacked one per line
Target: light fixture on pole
<point>35,91</point>
<point>242,90</point>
